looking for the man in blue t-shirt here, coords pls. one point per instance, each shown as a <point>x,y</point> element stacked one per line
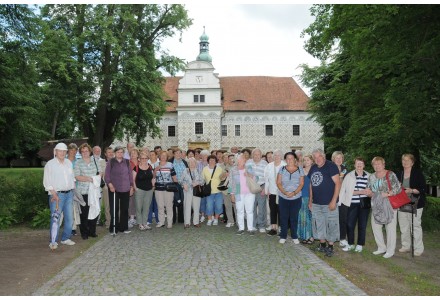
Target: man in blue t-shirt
<point>324,190</point>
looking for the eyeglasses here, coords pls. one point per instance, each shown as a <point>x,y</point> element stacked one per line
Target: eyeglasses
<point>144,157</point>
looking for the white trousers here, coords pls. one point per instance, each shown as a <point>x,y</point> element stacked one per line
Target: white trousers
<point>245,202</point>
<point>405,229</point>
<point>193,202</point>
<point>390,246</point>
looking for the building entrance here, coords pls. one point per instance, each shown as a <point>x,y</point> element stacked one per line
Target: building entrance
<point>203,145</point>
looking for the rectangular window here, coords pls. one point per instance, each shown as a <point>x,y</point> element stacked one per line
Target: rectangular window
<point>224,130</point>
<point>295,129</point>
<point>199,128</point>
<point>269,130</point>
<point>171,130</point>
<point>199,98</point>
<point>237,130</point>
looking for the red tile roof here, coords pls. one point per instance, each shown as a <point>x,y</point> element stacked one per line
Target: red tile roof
<point>251,93</point>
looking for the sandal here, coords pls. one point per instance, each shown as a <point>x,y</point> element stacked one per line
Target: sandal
<point>310,241</point>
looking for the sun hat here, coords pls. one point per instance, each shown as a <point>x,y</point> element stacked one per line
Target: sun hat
<point>61,146</point>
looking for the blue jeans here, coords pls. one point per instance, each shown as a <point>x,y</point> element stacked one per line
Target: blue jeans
<point>214,204</point>
<point>358,215</point>
<point>289,210</point>
<point>153,209</point>
<point>65,205</point>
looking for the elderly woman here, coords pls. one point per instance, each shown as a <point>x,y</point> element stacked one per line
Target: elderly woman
<point>164,173</point>
<point>153,161</point>
<point>213,174</point>
<point>290,181</point>
<point>305,232</point>
<point>191,177</point>
<point>134,165</point>
<point>352,192</point>
<point>144,182</point>
<point>119,179</point>
<point>228,159</point>
<point>241,196</point>
<point>72,151</point>
<point>338,159</point>
<point>203,162</point>
<point>84,170</point>
<point>270,179</point>
<point>413,181</point>
<point>379,190</point>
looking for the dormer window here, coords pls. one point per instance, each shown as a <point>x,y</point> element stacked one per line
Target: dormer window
<point>199,98</point>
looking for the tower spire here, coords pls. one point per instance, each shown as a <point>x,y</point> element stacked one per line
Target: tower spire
<point>204,48</point>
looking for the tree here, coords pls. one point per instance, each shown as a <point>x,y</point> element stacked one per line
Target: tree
<point>21,127</point>
<point>114,81</point>
<point>391,97</point>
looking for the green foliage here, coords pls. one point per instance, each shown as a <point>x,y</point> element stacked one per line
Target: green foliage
<point>22,195</point>
<point>42,219</point>
<point>377,89</point>
<point>431,214</point>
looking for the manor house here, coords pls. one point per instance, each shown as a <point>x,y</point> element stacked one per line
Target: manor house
<point>212,112</point>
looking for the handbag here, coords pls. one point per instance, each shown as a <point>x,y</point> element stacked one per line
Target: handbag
<point>206,188</point>
<point>253,186</point>
<point>197,190</point>
<point>223,186</point>
<point>365,203</point>
<point>412,206</point>
<point>97,173</point>
<point>399,199</point>
<point>171,187</point>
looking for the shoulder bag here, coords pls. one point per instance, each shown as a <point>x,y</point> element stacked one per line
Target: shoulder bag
<point>399,199</point>
<point>97,173</point>
<point>253,186</point>
<point>197,190</point>
<point>170,186</point>
<point>365,203</point>
<point>206,188</point>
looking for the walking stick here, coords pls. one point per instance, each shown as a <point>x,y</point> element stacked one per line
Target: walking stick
<point>114,214</point>
<point>414,210</point>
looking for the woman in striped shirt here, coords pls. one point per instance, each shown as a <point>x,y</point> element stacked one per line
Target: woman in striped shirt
<point>352,191</point>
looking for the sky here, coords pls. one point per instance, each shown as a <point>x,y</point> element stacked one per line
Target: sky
<point>247,39</point>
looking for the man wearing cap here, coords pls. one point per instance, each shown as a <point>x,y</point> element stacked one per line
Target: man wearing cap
<point>59,182</point>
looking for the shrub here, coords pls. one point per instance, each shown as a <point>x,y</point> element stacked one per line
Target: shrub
<point>42,219</point>
<point>431,214</point>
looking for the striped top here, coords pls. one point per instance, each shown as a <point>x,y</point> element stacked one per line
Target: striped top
<point>361,184</point>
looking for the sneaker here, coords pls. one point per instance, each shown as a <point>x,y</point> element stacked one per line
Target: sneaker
<point>229,225</point>
<point>404,250</point>
<point>53,246</point>
<point>262,230</point>
<point>146,227</point>
<point>252,232</point>
<point>272,232</point>
<point>202,219</point>
<point>378,252</point>
<point>296,241</point>
<point>282,241</point>
<point>329,251</point>
<point>215,222</point>
<point>343,243</point>
<point>130,225</point>
<point>148,223</point>
<point>209,223</point>
<point>268,228</point>
<point>348,248</point>
<point>418,253</point>
<point>239,232</point>
<point>127,231</point>
<point>141,227</point>
<point>68,242</point>
<point>358,248</point>
<point>159,225</point>
<point>387,255</point>
<point>73,232</point>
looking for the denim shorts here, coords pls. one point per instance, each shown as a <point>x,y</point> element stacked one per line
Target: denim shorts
<point>325,223</point>
<point>214,204</point>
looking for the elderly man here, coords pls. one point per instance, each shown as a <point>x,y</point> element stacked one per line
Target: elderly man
<point>256,166</point>
<point>324,191</point>
<point>59,182</point>
<point>109,154</point>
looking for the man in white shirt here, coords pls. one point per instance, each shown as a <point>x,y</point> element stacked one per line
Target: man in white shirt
<point>59,182</point>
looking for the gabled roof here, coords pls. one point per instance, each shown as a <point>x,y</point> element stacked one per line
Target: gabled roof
<point>251,93</point>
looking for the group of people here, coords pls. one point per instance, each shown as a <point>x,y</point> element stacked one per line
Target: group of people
<point>272,193</point>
